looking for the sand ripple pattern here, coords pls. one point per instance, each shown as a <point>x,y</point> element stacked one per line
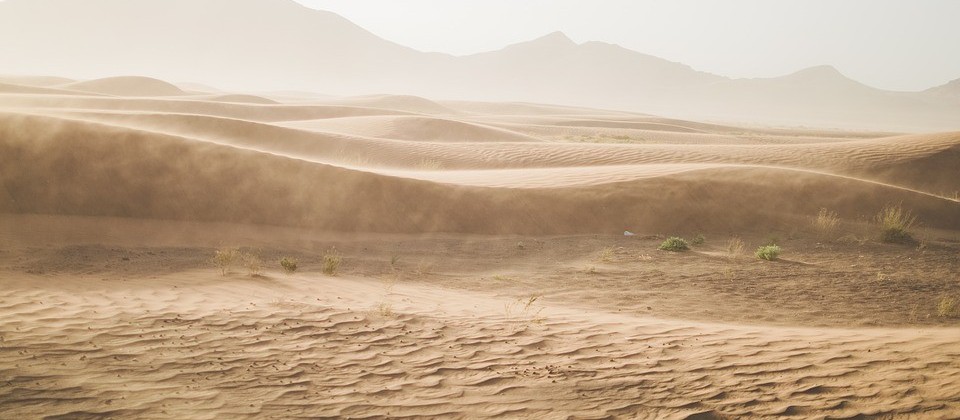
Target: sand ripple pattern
<point>262,354</point>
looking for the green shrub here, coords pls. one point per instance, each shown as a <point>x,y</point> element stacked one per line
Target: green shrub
<point>768,252</point>
<point>289,264</point>
<point>674,244</point>
<point>895,224</point>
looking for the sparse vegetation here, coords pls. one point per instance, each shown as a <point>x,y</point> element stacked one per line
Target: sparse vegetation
<point>606,255</point>
<point>735,248</point>
<point>395,262</point>
<point>946,307</point>
<point>895,223</point>
<point>385,309</point>
<point>826,223</point>
<point>674,244</point>
<point>224,258</point>
<point>698,240</point>
<point>768,252</point>
<point>331,262</point>
<point>289,264</point>
<point>252,262</point>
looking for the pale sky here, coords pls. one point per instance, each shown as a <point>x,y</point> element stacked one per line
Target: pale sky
<point>889,44</point>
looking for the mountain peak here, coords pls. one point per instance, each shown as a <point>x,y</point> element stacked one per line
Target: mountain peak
<point>820,71</point>
<point>557,38</point>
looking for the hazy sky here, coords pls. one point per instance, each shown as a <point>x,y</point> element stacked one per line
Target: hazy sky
<point>890,44</point>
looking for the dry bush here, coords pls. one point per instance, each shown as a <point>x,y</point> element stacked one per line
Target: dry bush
<point>331,262</point>
<point>698,240</point>
<point>224,258</point>
<point>735,248</point>
<point>385,309</point>
<point>895,224</point>
<point>606,255</point>
<point>252,262</point>
<point>826,223</point>
<point>946,306</point>
<point>289,264</point>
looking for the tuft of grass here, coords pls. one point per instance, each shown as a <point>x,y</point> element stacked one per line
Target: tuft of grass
<point>331,262</point>
<point>606,255</point>
<point>735,248</point>
<point>674,244</point>
<point>252,262</point>
<point>826,223</point>
<point>946,306</point>
<point>289,264</point>
<point>768,252</point>
<point>698,240</point>
<point>895,223</point>
<point>224,258</point>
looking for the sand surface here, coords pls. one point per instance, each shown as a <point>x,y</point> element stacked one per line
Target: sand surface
<point>485,272</point>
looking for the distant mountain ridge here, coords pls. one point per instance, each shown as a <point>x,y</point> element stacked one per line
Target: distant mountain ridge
<point>282,45</point>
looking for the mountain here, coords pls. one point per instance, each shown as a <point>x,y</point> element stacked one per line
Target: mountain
<point>950,89</point>
<point>282,45</point>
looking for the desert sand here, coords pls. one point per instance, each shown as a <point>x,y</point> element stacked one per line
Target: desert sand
<point>485,271</point>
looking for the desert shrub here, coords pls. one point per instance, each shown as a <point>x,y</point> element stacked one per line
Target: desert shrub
<point>252,262</point>
<point>606,255</point>
<point>826,223</point>
<point>768,252</point>
<point>224,258</point>
<point>674,244</point>
<point>946,306</point>
<point>698,240</point>
<point>331,262</point>
<point>289,264</point>
<point>895,224</point>
<point>735,247</point>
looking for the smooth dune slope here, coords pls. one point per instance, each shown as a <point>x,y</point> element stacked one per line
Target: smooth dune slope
<point>113,171</point>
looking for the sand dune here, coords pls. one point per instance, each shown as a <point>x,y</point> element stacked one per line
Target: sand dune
<point>127,86</point>
<point>485,270</point>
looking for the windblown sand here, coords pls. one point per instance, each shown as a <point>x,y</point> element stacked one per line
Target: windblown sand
<point>485,272</point>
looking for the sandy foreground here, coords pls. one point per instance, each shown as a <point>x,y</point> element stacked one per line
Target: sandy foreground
<point>485,271</point>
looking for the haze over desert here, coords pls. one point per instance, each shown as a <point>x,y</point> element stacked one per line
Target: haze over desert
<point>201,217</point>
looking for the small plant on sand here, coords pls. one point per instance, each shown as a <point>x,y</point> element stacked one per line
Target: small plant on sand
<point>698,240</point>
<point>768,252</point>
<point>331,262</point>
<point>289,264</point>
<point>826,223</point>
<point>895,224</point>
<point>252,262</point>
<point>224,258</point>
<point>606,255</point>
<point>674,244</point>
<point>946,306</point>
<point>385,309</point>
<point>735,248</point>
